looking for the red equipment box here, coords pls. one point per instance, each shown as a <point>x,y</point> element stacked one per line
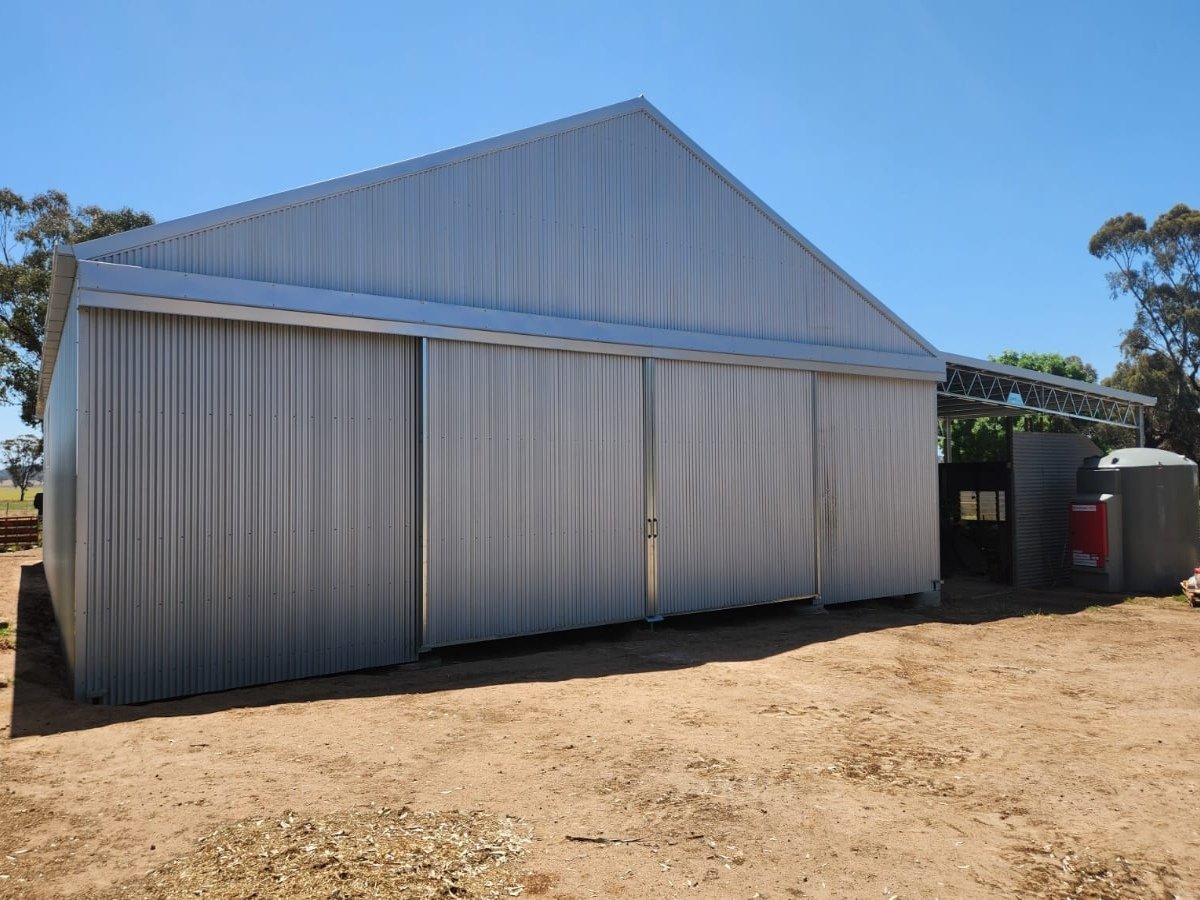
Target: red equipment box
<point>1089,534</point>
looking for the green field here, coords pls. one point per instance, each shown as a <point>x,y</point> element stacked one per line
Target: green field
<point>11,506</point>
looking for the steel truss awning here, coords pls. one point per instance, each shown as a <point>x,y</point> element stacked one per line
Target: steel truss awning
<point>974,388</point>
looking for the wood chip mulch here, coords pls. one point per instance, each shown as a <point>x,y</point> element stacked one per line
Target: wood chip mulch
<point>376,853</point>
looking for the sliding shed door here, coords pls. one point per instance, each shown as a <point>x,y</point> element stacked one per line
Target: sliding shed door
<point>535,491</point>
<point>733,450</point>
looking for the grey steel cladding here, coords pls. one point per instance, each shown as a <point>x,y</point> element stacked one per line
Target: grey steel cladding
<point>1043,481</point>
<point>58,527</point>
<point>877,509</point>
<point>249,513</point>
<point>535,487</point>
<point>617,221</point>
<point>733,447</point>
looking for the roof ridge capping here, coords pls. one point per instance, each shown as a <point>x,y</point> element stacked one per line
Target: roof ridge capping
<point>367,177</point>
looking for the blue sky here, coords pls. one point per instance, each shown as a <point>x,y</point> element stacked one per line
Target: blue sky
<point>954,157</point>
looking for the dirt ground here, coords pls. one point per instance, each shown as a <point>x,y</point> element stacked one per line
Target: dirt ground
<point>1034,744</point>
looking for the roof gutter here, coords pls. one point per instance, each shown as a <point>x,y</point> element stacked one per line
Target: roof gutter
<point>62,284</point>
<point>112,286</point>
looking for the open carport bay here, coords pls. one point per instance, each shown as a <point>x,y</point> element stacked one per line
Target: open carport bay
<point>1006,744</point>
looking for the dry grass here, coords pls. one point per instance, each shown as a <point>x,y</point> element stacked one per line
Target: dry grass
<point>12,505</point>
<point>374,853</point>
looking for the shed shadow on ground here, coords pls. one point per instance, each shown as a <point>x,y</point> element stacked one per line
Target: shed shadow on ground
<point>42,702</point>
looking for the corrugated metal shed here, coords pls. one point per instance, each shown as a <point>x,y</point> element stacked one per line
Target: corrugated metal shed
<point>573,375</point>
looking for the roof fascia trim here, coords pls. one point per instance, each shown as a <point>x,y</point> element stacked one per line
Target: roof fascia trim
<point>156,290</point>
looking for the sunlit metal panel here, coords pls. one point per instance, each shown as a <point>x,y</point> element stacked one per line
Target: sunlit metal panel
<point>249,513</point>
<point>61,445</point>
<point>617,221</point>
<point>535,491</point>
<point>733,454</point>
<point>878,503</point>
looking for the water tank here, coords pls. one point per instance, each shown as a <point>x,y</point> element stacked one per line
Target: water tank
<point>1160,514</point>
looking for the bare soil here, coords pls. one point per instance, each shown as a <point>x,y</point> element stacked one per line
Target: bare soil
<point>1034,744</point>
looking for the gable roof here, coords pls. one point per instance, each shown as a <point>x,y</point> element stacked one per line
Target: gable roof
<point>117,247</point>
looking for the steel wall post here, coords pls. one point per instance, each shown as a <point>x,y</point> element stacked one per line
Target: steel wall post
<point>818,488</point>
<point>650,480</point>
<point>423,496</point>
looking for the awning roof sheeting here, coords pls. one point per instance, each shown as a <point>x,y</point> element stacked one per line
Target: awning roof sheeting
<point>975,388</point>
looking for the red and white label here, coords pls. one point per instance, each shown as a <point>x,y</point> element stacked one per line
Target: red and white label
<point>1089,535</point>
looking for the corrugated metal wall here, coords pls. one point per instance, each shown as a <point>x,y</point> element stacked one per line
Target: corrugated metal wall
<point>58,526</point>
<point>616,222</point>
<point>735,485</point>
<point>876,455</point>
<point>1044,467</point>
<point>535,487</point>
<point>250,511</point>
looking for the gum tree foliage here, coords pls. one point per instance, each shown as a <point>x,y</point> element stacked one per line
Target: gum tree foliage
<point>30,228</point>
<point>983,440</point>
<point>1158,267</point>
<point>22,460</point>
